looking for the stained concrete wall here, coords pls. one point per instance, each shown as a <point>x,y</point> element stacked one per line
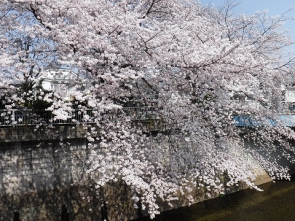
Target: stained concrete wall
<point>32,166</point>
<point>37,173</point>
<point>36,178</point>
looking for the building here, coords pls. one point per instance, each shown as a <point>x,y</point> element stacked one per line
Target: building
<point>61,81</point>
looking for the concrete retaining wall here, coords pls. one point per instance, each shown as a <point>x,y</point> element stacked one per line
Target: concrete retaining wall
<point>37,173</point>
<point>34,173</point>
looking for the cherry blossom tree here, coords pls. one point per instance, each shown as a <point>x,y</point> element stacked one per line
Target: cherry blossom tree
<point>26,50</point>
<point>201,64</point>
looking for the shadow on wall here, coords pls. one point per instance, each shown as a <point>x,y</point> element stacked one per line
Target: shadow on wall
<point>37,177</point>
<point>41,181</point>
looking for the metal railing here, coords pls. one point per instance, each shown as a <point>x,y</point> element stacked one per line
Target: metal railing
<point>21,117</point>
<point>147,115</point>
<point>287,108</point>
<point>28,117</point>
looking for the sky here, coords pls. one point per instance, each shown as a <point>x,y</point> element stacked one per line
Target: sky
<point>274,7</point>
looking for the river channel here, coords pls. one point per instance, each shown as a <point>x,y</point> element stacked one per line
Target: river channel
<point>275,203</point>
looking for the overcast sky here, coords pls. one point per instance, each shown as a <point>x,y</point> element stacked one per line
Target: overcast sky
<point>274,7</point>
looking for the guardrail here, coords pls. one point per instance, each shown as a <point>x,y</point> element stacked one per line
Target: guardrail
<point>287,108</point>
<point>27,117</point>
<point>150,115</point>
<point>21,117</point>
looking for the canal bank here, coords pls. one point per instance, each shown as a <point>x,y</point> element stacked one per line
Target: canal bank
<point>36,167</point>
<point>275,203</point>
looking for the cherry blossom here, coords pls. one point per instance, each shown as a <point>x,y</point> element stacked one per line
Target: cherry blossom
<point>188,68</point>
